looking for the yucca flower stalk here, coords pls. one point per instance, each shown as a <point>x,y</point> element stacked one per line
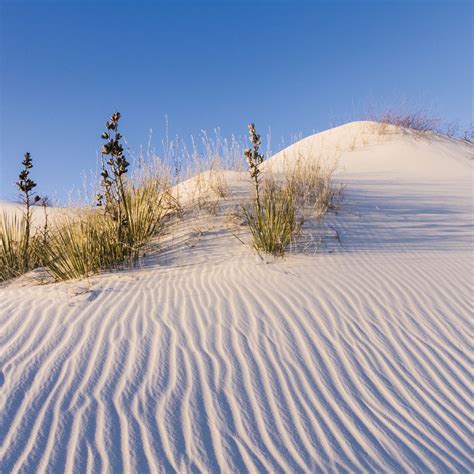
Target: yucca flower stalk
<point>254,160</point>
<point>114,169</point>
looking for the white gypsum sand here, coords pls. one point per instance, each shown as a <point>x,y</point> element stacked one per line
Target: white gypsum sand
<point>355,358</point>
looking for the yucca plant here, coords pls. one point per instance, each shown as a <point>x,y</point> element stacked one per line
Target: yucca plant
<point>272,216</point>
<point>18,242</point>
<point>134,210</point>
<point>114,169</point>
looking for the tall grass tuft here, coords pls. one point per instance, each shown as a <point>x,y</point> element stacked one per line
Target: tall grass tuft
<point>310,181</point>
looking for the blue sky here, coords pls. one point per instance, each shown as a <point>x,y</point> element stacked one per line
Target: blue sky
<point>292,66</point>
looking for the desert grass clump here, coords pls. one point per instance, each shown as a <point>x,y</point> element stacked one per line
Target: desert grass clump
<point>272,215</point>
<point>148,202</point>
<point>311,184</point>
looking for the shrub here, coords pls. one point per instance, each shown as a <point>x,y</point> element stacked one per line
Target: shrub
<point>468,135</point>
<point>419,120</point>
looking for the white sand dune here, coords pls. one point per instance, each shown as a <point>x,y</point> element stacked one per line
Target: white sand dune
<point>353,359</point>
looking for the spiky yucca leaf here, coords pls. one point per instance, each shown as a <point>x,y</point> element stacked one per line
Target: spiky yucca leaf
<point>12,246</point>
<point>82,247</point>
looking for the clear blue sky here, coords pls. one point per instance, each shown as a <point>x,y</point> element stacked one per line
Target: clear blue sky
<point>292,66</point>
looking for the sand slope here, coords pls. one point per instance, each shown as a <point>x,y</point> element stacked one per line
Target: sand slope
<point>354,359</point>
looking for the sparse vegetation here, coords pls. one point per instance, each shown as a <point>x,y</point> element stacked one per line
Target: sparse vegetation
<point>89,243</point>
<point>133,211</point>
<point>131,208</point>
